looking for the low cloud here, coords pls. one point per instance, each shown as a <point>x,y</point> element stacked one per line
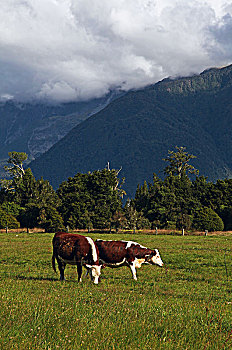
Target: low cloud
<point>66,50</point>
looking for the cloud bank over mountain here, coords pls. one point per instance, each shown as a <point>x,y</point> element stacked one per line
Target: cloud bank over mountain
<point>66,50</point>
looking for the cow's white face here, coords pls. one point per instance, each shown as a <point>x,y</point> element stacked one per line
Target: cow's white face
<point>156,259</point>
<point>95,272</point>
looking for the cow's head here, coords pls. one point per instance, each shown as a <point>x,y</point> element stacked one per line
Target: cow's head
<point>95,271</point>
<point>154,258</point>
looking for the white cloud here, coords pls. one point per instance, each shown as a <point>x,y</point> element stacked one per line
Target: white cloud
<point>64,50</point>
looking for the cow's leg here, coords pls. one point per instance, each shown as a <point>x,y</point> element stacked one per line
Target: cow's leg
<point>61,266</point>
<point>79,271</point>
<point>133,270</point>
<point>87,272</point>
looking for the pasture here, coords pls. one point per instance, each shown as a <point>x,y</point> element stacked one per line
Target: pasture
<point>185,305</point>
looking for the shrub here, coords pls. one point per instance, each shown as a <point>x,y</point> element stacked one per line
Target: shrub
<point>206,219</point>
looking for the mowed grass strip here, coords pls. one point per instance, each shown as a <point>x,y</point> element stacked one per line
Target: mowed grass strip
<point>185,305</point>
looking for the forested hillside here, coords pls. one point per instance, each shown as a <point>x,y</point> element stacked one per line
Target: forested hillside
<point>135,132</point>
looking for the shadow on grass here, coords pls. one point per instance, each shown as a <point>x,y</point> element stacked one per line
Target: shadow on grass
<point>31,278</point>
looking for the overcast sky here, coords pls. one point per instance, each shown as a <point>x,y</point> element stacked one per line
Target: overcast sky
<point>63,50</point>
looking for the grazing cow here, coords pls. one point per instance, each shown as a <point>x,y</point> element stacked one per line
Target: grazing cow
<point>77,250</point>
<point>123,253</point>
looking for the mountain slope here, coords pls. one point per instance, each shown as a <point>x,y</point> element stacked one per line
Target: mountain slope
<point>137,130</point>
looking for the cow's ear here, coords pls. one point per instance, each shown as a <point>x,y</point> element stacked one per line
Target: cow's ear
<point>88,266</point>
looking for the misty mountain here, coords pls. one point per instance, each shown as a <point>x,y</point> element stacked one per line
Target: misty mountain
<point>136,131</point>
<point>34,127</point>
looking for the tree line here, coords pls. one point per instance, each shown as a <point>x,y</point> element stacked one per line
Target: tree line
<point>181,200</point>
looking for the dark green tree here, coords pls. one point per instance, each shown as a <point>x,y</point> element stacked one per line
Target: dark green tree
<point>7,220</point>
<point>49,219</point>
<point>29,216</point>
<point>25,188</point>
<point>90,200</point>
<point>40,203</point>
<point>225,212</point>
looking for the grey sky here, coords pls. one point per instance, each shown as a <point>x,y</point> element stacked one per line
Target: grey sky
<point>63,50</point>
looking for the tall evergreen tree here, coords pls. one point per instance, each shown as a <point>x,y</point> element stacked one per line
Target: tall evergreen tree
<point>179,163</point>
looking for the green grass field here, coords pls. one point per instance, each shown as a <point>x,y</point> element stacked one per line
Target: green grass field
<point>185,305</point>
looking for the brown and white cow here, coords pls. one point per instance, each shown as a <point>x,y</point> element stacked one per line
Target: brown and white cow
<point>127,253</point>
<point>77,250</point>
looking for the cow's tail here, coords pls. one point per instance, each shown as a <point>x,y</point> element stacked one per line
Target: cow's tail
<point>53,262</point>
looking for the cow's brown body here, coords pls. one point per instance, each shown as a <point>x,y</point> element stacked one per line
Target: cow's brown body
<point>77,250</point>
<point>126,253</point>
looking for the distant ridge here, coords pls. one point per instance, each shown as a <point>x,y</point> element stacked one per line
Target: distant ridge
<point>34,127</point>
<point>136,131</point>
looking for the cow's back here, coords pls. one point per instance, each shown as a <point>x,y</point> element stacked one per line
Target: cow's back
<point>112,251</point>
<point>71,247</point>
